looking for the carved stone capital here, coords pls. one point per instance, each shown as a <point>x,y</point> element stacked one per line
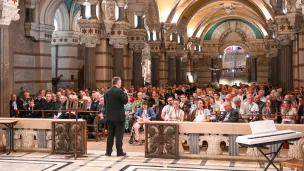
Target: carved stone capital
<point>90,41</point>
<point>31,3</point>
<point>137,47</point>
<point>137,39</point>
<point>66,38</point>
<point>285,39</point>
<point>121,3</point>
<point>119,34</point>
<point>90,31</point>
<point>8,12</point>
<point>118,43</point>
<point>155,46</point>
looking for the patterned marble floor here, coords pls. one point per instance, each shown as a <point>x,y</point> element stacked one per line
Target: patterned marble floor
<point>95,160</point>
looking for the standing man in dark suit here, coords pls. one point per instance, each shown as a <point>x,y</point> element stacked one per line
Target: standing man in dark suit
<point>115,98</point>
<point>230,114</point>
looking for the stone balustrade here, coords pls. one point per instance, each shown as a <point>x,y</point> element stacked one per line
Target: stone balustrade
<point>192,135</point>
<point>45,135</point>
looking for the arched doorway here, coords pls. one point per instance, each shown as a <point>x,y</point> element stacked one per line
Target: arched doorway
<point>234,67</point>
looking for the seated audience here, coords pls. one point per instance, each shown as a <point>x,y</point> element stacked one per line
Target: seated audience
<point>188,113</point>
<point>143,114</point>
<point>201,113</point>
<point>268,112</point>
<point>177,114</point>
<point>230,114</point>
<point>129,111</point>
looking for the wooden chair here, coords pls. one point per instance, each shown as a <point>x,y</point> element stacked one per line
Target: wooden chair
<point>296,164</point>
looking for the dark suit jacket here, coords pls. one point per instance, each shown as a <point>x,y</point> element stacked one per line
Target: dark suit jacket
<point>13,113</point>
<point>115,99</point>
<point>233,117</point>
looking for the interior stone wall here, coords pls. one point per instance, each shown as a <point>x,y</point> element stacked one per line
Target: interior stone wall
<point>29,68</point>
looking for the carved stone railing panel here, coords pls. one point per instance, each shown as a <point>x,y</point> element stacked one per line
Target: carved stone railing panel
<point>2,137</point>
<point>194,143</point>
<point>183,141</point>
<point>25,138</point>
<point>214,143</point>
<point>162,140</point>
<point>63,137</point>
<point>295,151</point>
<point>49,139</point>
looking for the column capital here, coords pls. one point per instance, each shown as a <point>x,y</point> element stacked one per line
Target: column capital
<point>137,39</point>
<point>31,3</point>
<point>286,39</point>
<point>121,3</point>
<point>155,46</point>
<point>90,31</point>
<point>66,38</point>
<point>8,12</point>
<point>119,34</point>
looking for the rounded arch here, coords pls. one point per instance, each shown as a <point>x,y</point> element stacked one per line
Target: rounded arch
<point>240,44</point>
<point>75,26</point>
<point>195,7</point>
<point>62,16</point>
<point>210,34</point>
<point>48,11</point>
<point>202,31</point>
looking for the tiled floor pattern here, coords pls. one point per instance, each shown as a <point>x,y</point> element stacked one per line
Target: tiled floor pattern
<point>95,160</point>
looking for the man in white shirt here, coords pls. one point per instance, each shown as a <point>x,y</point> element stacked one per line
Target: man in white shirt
<point>166,110</point>
<point>217,99</point>
<point>250,109</point>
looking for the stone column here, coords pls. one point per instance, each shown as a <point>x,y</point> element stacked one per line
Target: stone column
<point>82,11</point>
<point>155,70</point>
<point>284,72</point>
<point>195,70</point>
<point>253,70</point>
<point>178,66</point>
<point>6,54</point>
<point>295,63</point>
<point>118,38</point>
<point>127,56</point>
<point>262,70</point>
<point>137,41</point>
<point>189,69</point>
<point>274,71</point>
<point>137,68</point>
<point>104,64</point>
<point>90,68</point>
<point>163,69</point>
<point>204,74</point>
<point>184,71</point>
<point>171,70</point>
<point>301,59</point>
<point>118,62</point>
<point>93,8</point>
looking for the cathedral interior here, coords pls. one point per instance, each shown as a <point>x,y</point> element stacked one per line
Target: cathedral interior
<point>149,41</point>
<point>85,43</point>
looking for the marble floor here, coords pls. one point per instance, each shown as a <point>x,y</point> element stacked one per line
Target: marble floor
<point>95,160</point>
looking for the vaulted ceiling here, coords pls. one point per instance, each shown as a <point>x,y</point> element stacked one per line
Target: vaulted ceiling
<point>197,18</point>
